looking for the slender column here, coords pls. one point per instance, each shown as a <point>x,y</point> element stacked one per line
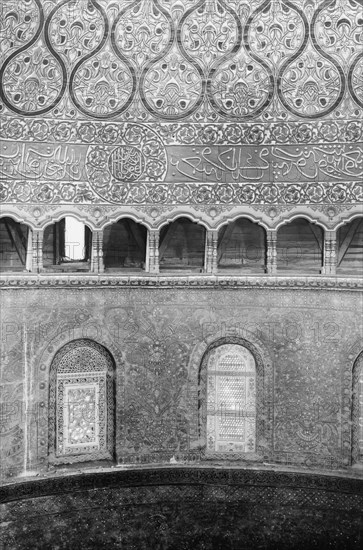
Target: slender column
<point>152,251</point>
<point>29,251</point>
<point>37,251</point>
<point>211,244</point>
<point>97,265</point>
<point>271,265</point>
<point>330,253</point>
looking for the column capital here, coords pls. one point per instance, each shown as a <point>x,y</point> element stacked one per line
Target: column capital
<point>330,234</point>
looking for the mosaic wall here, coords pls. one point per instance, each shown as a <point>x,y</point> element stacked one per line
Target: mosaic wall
<point>184,509</point>
<point>193,104</point>
<point>153,109</point>
<point>304,341</point>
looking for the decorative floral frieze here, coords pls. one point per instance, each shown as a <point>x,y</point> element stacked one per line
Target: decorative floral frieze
<point>202,281</point>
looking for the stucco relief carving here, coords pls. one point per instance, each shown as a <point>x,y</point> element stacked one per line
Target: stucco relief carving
<point>158,109</point>
<point>49,162</point>
<point>204,61</point>
<point>158,340</point>
<point>157,104</point>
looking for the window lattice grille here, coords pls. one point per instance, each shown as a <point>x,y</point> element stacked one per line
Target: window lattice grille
<point>231,400</point>
<point>81,398</point>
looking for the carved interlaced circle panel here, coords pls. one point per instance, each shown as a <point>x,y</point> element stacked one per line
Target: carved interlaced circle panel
<point>81,415</point>
<point>141,156</point>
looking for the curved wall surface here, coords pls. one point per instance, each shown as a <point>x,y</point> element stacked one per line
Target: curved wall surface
<point>148,111</point>
<point>188,508</point>
<point>305,338</point>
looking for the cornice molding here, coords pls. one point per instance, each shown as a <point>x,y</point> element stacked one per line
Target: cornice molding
<point>179,476</point>
<point>59,281</point>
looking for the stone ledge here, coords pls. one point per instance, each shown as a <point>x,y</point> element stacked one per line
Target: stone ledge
<point>180,281</point>
<point>179,475</point>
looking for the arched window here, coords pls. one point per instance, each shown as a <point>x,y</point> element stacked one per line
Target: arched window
<point>15,246</point>
<point>241,247</point>
<point>350,248</point>
<point>81,403</point>
<point>124,246</point>
<point>229,407</point>
<point>182,246</point>
<point>67,246</point>
<point>300,246</point>
<point>357,411</point>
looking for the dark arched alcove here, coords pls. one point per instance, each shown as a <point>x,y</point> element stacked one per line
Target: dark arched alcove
<point>350,248</point>
<point>182,246</point>
<point>14,249</point>
<point>124,246</point>
<point>300,246</point>
<point>241,247</point>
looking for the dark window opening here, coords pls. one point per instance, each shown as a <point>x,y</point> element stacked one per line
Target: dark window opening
<point>182,246</point>
<point>350,248</point>
<point>124,246</point>
<point>15,246</point>
<point>300,247</point>
<point>242,247</point>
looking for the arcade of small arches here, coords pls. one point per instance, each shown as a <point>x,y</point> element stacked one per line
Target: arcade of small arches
<point>183,245</point>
